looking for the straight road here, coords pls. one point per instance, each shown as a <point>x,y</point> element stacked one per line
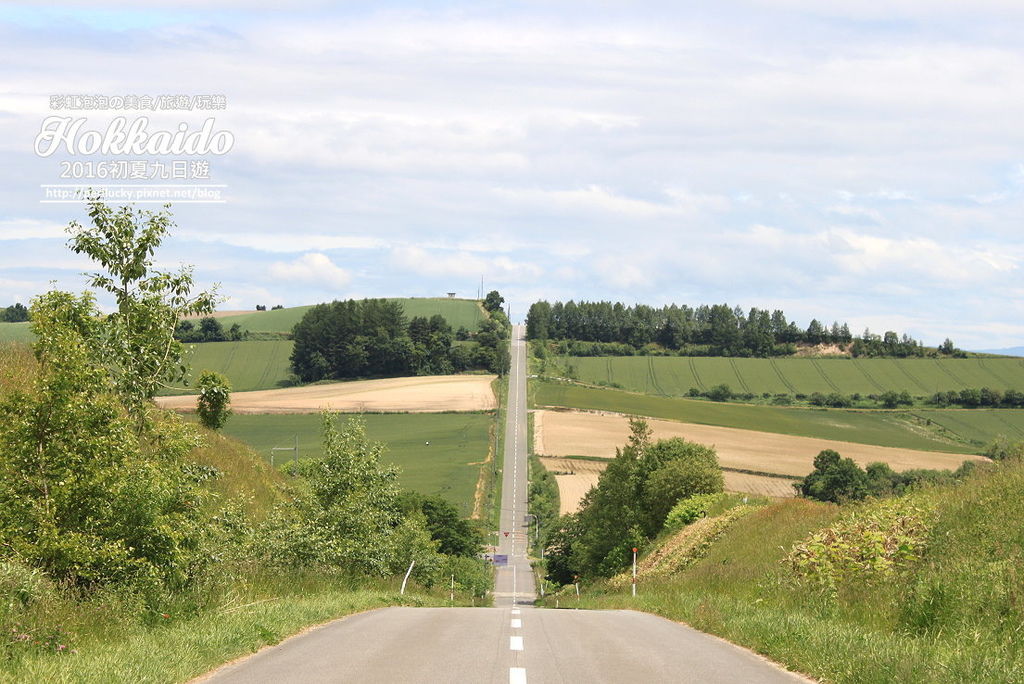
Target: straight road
<point>514,583</point>
<point>512,642</point>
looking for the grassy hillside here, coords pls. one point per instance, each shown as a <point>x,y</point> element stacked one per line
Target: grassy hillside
<point>458,312</point>
<point>884,428</point>
<point>249,365</point>
<point>674,376</point>
<point>950,612</point>
<point>449,466</point>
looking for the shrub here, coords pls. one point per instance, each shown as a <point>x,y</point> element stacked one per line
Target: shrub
<point>214,403</point>
<point>871,544</point>
<point>690,509</point>
<point>719,393</point>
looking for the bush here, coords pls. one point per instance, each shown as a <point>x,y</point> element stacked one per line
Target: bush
<point>719,393</point>
<point>869,544</point>
<point>214,403</point>
<point>690,509</point>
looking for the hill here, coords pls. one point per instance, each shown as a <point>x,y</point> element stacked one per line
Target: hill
<point>931,592</point>
<point>459,313</point>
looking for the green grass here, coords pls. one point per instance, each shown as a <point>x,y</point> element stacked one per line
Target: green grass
<point>883,428</point>
<point>450,466</point>
<point>181,648</point>
<point>16,332</point>
<point>458,312</point>
<point>978,426</point>
<point>674,376</point>
<point>952,616</point>
<point>249,365</point>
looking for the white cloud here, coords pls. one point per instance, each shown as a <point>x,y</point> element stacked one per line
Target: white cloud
<point>313,269</point>
<point>441,264</point>
<point>28,229</point>
<point>285,242</point>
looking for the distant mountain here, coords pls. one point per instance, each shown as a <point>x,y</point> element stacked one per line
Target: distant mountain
<point>1009,351</point>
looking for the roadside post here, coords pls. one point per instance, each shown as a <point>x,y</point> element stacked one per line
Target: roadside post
<point>634,572</point>
<point>295,453</point>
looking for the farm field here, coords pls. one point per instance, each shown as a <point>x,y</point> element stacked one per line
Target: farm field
<point>458,312</point>
<point>674,376</point>
<point>430,393</point>
<point>576,476</point>
<point>882,428</point>
<point>248,365</point>
<point>16,332</point>
<point>449,466</point>
<point>571,433</point>
<point>977,426</point>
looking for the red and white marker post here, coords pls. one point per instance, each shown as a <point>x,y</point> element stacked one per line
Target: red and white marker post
<point>634,572</point>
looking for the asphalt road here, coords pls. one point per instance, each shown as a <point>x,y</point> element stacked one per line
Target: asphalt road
<point>512,642</point>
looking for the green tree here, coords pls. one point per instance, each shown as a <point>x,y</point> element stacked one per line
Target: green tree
<point>350,516</point>
<point>835,479</point>
<point>493,301</point>
<point>136,341</point>
<point>83,495</point>
<point>677,469</point>
<point>214,403</point>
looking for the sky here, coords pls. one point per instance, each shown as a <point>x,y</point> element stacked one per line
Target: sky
<point>860,162</point>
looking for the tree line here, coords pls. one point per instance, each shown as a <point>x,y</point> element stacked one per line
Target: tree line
<point>16,313</point>
<point>209,329</point>
<point>372,337</point>
<point>609,329</point>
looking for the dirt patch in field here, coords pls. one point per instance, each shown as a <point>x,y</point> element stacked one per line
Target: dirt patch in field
<point>567,433</point>
<point>428,394</point>
<point>576,476</point>
<point>817,350</point>
<point>762,485</point>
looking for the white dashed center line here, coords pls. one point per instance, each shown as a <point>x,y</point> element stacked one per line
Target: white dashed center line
<point>515,643</point>
<point>517,675</point>
<point>517,623</point>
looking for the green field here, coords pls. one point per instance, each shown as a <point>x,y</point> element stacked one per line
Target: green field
<point>458,312</point>
<point>250,365</point>
<point>883,428</point>
<point>16,332</point>
<point>449,466</point>
<point>674,376</point>
<point>978,426</point>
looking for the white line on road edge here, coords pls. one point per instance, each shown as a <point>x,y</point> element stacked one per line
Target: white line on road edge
<point>517,623</point>
<point>517,675</point>
<point>515,643</point>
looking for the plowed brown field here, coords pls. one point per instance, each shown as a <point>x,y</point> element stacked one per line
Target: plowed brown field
<point>426,394</point>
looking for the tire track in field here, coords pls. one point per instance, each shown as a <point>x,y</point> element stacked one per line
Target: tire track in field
<point>1012,427</point>
<point>950,373</point>
<point>736,370</point>
<point>696,376</point>
<point>653,376</point>
<point>864,371</point>
<point>828,380</point>
<point>778,371</point>
<point>912,379</point>
<point>272,360</point>
<point>608,370</point>
<point>991,373</point>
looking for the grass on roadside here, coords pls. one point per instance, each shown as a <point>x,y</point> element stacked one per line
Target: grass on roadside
<point>954,614</point>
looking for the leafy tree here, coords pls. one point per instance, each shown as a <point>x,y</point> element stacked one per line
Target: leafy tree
<point>214,403</point>
<point>720,393</point>
<point>455,535</point>
<point>686,469</point>
<point>136,341</point>
<point>834,479</point>
<point>493,301</point>
<point>85,495</point>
